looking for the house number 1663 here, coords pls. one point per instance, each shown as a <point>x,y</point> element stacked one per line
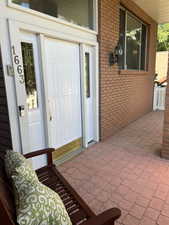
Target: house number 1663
<point>18,66</point>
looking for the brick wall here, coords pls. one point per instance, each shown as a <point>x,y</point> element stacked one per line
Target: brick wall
<point>124,95</point>
<point>165,148</point>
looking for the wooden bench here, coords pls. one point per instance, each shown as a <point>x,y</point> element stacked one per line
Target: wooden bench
<point>77,209</point>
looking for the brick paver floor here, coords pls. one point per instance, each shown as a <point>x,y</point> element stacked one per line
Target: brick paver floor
<point>126,171</point>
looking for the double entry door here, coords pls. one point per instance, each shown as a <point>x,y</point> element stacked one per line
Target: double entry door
<point>49,91</point>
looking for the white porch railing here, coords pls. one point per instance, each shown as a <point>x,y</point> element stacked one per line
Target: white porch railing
<point>159,98</point>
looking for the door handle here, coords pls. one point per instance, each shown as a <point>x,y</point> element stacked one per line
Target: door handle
<point>21,109</point>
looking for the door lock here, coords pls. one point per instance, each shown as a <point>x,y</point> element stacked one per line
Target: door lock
<point>21,110</point>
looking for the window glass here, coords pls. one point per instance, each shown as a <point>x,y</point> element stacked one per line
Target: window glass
<point>29,73</point>
<point>143,47</point>
<point>133,40</point>
<point>122,38</point>
<point>79,12</point>
<point>87,74</point>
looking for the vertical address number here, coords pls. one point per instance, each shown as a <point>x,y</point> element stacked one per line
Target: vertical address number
<point>19,67</point>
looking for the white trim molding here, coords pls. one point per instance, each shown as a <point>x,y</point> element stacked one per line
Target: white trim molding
<point>10,87</point>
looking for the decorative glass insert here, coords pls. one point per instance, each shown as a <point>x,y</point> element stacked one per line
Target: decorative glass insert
<point>78,12</point>
<point>87,74</point>
<point>133,40</point>
<point>29,73</point>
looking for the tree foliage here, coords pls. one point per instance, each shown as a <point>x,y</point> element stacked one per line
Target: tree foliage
<point>163,37</point>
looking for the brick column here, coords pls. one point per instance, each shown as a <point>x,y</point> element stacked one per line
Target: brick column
<point>165,147</point>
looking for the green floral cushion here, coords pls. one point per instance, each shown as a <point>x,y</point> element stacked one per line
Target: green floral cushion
<point>38,204</point>
<point>13,160</point>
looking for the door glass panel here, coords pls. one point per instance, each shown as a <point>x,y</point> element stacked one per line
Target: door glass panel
<point>87,74</point>
<point>29,73</point>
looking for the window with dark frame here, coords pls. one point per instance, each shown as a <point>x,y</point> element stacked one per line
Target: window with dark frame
<point>133,40</point>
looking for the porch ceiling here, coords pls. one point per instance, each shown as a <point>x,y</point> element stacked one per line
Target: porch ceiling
<point>157,9</point>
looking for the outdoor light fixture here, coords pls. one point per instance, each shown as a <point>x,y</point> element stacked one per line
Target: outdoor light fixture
<point>114,56</point>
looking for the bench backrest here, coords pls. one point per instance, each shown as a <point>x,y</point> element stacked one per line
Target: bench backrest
<point>7,206</point>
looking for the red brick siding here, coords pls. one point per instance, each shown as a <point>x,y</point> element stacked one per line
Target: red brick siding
<point>165,148</point>
<point>123,97</point>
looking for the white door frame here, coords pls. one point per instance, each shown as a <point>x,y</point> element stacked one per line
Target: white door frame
<point>19,79</point>
<point>15,27</point>
<point>10,87</point>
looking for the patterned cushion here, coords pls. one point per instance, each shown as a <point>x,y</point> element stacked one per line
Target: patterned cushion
<point>13,160</point>
<point>38,204</point>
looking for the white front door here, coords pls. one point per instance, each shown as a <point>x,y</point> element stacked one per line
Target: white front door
<point>89,92</point>
<point>64,95</point>
<point>28,82</point>
<point>33,86</point>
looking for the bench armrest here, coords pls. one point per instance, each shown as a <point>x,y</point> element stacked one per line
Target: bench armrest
<point>47,151</point>
<point>106,218</point>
